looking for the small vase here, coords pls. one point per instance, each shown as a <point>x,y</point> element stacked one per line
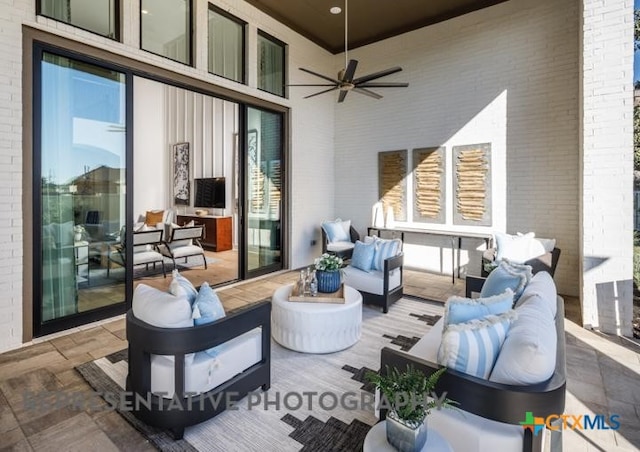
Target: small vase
<point>328,282</point>
<point>406,436</point>
<point>77,236</point>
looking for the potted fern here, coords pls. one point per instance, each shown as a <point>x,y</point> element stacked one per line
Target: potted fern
<point>404,394</point>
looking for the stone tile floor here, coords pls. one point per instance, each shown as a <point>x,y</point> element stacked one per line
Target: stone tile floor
<point>603,378</point>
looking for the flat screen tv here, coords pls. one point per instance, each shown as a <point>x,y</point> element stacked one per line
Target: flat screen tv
<point>210,192</point>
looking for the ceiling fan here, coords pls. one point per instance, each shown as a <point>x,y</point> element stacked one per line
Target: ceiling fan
<point>346,81</point>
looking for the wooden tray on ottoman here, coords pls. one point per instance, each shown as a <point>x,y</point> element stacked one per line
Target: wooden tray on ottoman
<point>334,297</point>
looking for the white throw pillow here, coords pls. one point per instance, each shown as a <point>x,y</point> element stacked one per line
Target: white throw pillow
<point>528,355</point>
<point>521,247</point>
<point>161,309</point>
<point>513,247</point>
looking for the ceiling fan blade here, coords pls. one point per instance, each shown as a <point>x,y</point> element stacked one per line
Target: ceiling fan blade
<point>366,92</point>
<point>350,71</point>
<point>320,75</point>
<point>342,95</point>
<point>376,75</point>
<point>382,85</point>
<point>312,84</point>
<point>321,92</point>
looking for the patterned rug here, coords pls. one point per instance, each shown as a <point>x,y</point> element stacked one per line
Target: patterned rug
<point>337,420</point>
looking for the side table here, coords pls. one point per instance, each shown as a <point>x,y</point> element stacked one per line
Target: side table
<point>316,327</point>
<point>376,440</point>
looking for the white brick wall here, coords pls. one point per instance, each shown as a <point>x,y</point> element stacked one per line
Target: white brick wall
<point>607,159</point>
<point>507,75</point>
<point>11,173</point>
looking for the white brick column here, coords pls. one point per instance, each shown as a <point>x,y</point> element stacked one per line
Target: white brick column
<point>11,172</point>
<point>606,159</point>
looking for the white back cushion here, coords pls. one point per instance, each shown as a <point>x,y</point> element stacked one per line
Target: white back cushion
<point>528,354</point>
<point>160,308</point>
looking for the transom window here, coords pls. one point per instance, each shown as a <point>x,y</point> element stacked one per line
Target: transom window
<point>165,28</point>
<point>271,64</point>
<point>97,16</point>
<point>226,45</point>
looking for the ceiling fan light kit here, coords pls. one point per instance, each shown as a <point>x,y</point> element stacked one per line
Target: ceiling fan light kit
<point>345,81</point>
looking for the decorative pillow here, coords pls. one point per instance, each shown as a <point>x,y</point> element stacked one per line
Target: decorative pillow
<point>337,230</point>
<point>528,355</point>
<point>207,308</point>
<point>153,217</point>
<point>384,250</point>
<point>181,286</point>
<point>362,257</point>
<point>516,248</point>
<point>460,309</point>
<point>547,244</point>
<point>473,347</point>
<point>507,276</point>
<point>161,309</point>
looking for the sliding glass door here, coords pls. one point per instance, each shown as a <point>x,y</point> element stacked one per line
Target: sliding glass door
<point>263,192</point>
<point>79,189</point>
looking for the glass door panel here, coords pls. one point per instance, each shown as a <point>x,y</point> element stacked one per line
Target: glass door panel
<point>264,184</point>
<point>80,183</point>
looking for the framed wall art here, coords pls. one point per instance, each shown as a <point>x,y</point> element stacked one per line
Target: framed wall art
<point>392,183</point>
<point>181,172</point>
<point>429,185</point>
<point>472,184</point>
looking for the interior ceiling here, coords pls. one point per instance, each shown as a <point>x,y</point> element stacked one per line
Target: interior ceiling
<point>369,20</point>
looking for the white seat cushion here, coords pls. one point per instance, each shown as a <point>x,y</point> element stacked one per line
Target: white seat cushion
<point>336,247</point>
<point>371,282</point>
<point>146,257</point>
<point>206,372</point>
<point>184,251</point>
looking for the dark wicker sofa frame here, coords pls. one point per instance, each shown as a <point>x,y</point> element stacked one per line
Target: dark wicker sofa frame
<point>145,340</point>
<point>495,401</point>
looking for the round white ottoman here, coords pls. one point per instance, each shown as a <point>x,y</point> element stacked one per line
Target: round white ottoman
<point>316,327</point>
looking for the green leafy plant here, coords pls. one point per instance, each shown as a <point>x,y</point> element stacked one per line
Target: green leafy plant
<point>328,263</point>
<point>406,392</point>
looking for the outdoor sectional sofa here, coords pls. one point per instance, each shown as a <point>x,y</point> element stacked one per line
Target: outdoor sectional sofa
<point>489,413</point>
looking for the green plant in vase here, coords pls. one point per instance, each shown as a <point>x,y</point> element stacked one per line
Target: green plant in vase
<point>328,272</point>
<point>405,394</point>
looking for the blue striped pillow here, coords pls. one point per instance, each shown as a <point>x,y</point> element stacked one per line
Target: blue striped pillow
<point>384,250</point>
<point>473,347</point>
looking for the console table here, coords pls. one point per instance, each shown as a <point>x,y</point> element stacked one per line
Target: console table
<point>455,236</point>
<point>217,230</point>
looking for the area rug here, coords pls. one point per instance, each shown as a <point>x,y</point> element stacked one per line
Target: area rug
<point>317,425</point>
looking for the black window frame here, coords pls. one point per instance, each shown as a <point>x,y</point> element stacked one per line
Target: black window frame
<point>117,14</point>
<point>189,32</point>
<point>244,25</point>
<point>284,46</point>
